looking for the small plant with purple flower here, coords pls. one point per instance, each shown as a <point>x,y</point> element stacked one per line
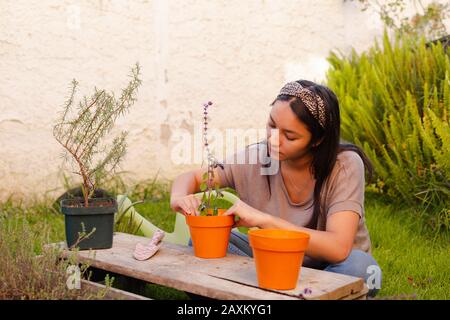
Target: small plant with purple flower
<point>209,202</point>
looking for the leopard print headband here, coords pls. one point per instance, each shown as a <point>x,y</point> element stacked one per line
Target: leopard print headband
<point>313,102</point>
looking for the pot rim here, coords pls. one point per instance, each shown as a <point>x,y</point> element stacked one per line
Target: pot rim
<point>296,235</point>
<point>297,242</point>
<point>112,200</point>
<point>209,221</point>
<point>66,209</point>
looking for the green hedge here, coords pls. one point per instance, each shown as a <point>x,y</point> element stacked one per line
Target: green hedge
<point>395,103</point>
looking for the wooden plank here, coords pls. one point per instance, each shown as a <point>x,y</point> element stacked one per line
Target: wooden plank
<point>231,277</point>
<point>116,260</point>
<point>321,285</point>
<point>324,285</point>
<point>361,295</point>
<point>111,293</point>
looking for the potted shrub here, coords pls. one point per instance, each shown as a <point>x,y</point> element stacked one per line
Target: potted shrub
<point>84,132</point>
<point>210,231</point>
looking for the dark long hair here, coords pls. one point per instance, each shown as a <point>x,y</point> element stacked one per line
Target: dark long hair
<point>324,154</point>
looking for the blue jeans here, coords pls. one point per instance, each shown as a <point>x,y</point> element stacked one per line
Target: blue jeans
<point>358,264</point>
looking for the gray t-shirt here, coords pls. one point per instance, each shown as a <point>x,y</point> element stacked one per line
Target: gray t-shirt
<point>345,190</point>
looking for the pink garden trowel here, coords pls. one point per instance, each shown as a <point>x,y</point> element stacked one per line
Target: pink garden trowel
<point>146,251</point>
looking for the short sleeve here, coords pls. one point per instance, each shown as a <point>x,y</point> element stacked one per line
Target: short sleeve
<point>347,189</point>
<point>232,171</point>
<point>226,174</point>
<point>239,169</point>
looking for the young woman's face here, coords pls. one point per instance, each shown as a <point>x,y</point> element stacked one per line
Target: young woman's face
<point>288,137</point>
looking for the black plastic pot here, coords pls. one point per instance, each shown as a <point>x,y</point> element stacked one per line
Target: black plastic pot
<point>99,217</point>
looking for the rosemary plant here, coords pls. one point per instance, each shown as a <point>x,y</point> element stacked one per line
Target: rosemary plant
<point>81,132</point>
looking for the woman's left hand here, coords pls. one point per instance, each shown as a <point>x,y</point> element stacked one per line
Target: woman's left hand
<point>248,216</point>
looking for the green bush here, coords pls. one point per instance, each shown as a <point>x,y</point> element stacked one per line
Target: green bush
<point>395,103</point>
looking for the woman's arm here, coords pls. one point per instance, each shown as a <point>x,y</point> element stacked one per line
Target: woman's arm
<point>333,245</point>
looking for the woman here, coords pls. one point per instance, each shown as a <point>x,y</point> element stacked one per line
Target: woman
<point>318,187</point>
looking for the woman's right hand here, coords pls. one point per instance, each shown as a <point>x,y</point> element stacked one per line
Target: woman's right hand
<point>187,205</point>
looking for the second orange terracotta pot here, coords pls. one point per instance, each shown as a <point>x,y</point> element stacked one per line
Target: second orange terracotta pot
<point>278,256</point>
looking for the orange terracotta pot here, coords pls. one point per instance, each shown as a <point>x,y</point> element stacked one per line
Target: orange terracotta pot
<point>210,234</point>
<point>278,256</point>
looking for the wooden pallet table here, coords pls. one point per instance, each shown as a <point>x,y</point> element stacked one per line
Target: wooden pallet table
<point>232,277</point>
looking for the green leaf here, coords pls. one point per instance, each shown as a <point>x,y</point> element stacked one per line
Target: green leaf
<point>204,212</point>
<point>243,230</point>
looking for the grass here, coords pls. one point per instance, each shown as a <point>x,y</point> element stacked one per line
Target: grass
<point>414,260</point>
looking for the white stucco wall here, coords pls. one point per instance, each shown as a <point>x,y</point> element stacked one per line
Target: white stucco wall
<point>235,53</point>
